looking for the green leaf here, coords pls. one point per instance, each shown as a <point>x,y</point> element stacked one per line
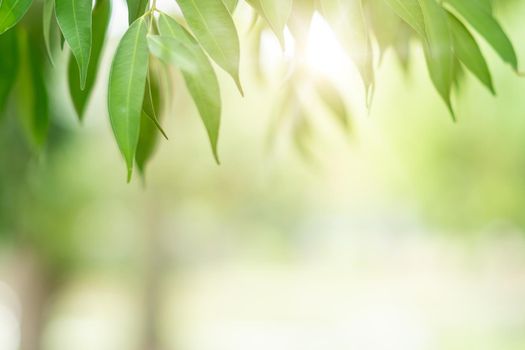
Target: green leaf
<point>149,128</point>
<point>100,19</point>
<point>31,92</point>
<point>347,20</point>
<point>174,51</point>
<point>201,82</point>
<point>47,13</point>
<point>479,16</point>
<point>8,66</point>
<point>402,47</point>
<point>384,22</point>
<point>136,8</point>
<point>213,26</point>
<point>74,20</point>
<point>468,52</point>
<point>275,12</point>
<point>12,11</point>
<point>410,12</point>
<point>438,49</point>
<point>231,5</point>
<point>127,80</point>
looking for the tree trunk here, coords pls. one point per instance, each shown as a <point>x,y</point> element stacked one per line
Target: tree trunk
<point>31,280</point>
<point>153,278</point>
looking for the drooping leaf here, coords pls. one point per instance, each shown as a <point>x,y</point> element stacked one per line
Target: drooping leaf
<point>385,23</point>
<point>275,12</point>
<point>31,92</point>
<point>479,16</point>
<point>347,20</point>
<point>332,98</point>
<point>174,51</point>
<point>12,11</point>
<point>402,47</point>
<point>8,66</point>
<point>149,128</point>
<point>213,26</point>
<point>136,8</point>
<point>302,134</point>
<point>74,20</point>
<point>410,12</point>
<point>300,19</point>
<point>100,19</point>
<point>201,82</point>
<point>231,5</point>
<point>468,52</point>
<point>438,49</point>
<point>47,13</point>
<point>127,80</point>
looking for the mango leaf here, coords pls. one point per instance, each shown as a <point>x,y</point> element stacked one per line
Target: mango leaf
<point>12,11</point>
<point>127,80</point>
<point>478,15</point>
<point>202,83</point>
<point>438,49</point>
<point>136,8</point>
<point>149,128</point>
<point>74,20</point>
<point>410,12</point>
<point>213,26</point>
<point>468,52</point>
<point>231,5</point>
<point>47,13</point>
<point>347,20</point>
<point>275,12</point>
<point>31,92</point>
<point>100,19</point>
<point>8,66</point>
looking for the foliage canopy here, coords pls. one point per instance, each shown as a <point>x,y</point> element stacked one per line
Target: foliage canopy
<point>205,32</point>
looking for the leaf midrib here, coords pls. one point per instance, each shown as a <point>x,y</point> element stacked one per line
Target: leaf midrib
<point>130,80</point>
<point>10,11</point>
<point>82,59</point>
<point>208,30</point>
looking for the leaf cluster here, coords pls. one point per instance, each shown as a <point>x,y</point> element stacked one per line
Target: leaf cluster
<point>206,34</point>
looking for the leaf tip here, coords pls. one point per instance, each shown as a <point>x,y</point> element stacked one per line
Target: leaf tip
<point>130,173</point>
<point>239,85</point>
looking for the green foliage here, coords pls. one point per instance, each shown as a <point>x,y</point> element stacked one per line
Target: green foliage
<point>275,12</point>
<point>12,11</point>
<point>127,81</point>
<point>481,18</point>
<point>438,49</point>
<point>8,65</point>
<point>447,30</point>
<point>31,95</point>
<point>213,26</point>
<point>200,79</point>
<point>347,19</point>
<point>136,8</point>
<point>468,52</point>
<point>100,19</point>
<point>74,19</point>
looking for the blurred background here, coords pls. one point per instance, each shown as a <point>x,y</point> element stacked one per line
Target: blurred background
<point>405,233</point>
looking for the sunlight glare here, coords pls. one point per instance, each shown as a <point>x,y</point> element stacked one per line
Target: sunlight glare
<point>325,56</point>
